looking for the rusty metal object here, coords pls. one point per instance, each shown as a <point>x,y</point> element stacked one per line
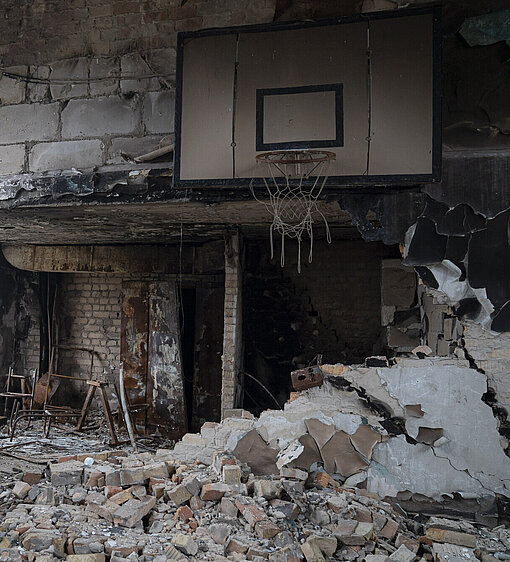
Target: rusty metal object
<point>133,346</point>
<point>165,382</point>
<point>307,378</point>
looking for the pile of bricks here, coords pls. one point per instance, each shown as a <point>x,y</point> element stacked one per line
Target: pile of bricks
<point>152,507</point>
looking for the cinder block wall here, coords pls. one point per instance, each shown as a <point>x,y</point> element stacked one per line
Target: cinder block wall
<point>93,102</point>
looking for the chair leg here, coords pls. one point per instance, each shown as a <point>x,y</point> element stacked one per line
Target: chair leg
<point>108,415</point>
<point>86,406</point>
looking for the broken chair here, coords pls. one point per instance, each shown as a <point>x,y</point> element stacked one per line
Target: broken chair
<point>21,399</point>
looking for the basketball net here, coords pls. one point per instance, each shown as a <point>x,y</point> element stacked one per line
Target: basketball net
<point>293,193</point>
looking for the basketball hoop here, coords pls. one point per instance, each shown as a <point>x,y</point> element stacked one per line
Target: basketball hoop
<point>295,181</point>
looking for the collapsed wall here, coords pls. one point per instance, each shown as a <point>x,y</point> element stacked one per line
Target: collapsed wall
<point>417,428</point>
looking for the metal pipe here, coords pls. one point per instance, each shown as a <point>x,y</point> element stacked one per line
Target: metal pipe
<point>127,417</point>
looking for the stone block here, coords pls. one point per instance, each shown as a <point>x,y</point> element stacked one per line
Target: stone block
<point>267,489</point>
<point>75,71</point>
<point>174,554</point>
<point>294,473</point>
<point>362,514</point>
<point>251,513</point>
<point>337,503</point>
<point>88,545</point>
<point>236,545</point>
<point>402,554</point>
<point>219,532</point>
<point>214,492</point>
<point>184,513</point>
<point>122,497</point>
<point>38,91</point>
<point>132,511</point>
<point>113,478</point>
<point>155,470</point>
<point>95,479</point>
<point>41,539</point>
<point>208,430</point>
<point>65,155</point>
<point>21,489</point>
<point>12,90</point>
<point>132,65</point>
<point>104,67</point>
<point>228,507</point>
<point>451,537</point>
<point>133,475</point>
<point>28,122</point>
<point>96,557</point>
<point>196,502</point>
<point>365,530</point>
<point>66,473</point>
<point>344,529</point>
<point>312,552</point>
<point>98,117</point>
<point>266,529</point>
<point>192,485</point>
<point>293,486</point>
<point>185,544</point>
<point>411,544</point>
<point>163,62</point>
<point>104,509</point>
<point>45,496</point>
<point>389,530</point>
<point>32,478</point>
<point>232,474</point>
<point>158,112</point>
<point>179,495</point>
<point>289,509</point>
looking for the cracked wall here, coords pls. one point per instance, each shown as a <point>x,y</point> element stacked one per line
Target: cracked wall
<point>431,455</point>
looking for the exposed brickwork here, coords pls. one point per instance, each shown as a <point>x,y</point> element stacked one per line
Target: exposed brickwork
<point>90,318</point>
<point>35,31</point>
<point>232,331</point>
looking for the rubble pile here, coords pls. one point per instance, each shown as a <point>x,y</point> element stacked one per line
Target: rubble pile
<point>150,506</point>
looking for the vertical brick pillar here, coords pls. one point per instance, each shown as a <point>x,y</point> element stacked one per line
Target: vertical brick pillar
<point>231,387</point>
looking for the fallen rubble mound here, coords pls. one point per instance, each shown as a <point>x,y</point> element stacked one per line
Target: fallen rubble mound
<point>151,507</point>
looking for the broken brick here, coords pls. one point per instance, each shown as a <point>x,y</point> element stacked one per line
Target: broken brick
<point>184,513</point>
<point>214,492</point>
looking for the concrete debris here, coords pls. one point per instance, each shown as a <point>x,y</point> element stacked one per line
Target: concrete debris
<point>324,478</point>
<point>202,517</point>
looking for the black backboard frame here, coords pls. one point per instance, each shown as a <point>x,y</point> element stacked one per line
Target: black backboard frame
<point>332,181</point>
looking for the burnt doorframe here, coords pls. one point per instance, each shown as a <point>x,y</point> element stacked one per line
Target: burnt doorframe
<point>200,354</point>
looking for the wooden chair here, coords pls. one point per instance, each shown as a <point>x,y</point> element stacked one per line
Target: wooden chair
<point>21,399</point>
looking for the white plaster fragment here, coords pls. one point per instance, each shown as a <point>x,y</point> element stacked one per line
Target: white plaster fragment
<point>468,458</point>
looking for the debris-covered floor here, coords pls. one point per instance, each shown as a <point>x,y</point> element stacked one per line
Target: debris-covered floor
<point>356,468</point>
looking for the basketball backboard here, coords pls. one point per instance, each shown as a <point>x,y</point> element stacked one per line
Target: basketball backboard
<point>366,88</point>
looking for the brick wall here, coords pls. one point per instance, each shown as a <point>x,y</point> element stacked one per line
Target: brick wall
<point>232,359</point>
<point>90,310</point>
<point>35,31</point>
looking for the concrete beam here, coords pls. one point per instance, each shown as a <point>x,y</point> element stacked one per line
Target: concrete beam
<point>191,260</point>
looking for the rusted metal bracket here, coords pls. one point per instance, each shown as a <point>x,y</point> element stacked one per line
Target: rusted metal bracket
<point>307,378</point>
